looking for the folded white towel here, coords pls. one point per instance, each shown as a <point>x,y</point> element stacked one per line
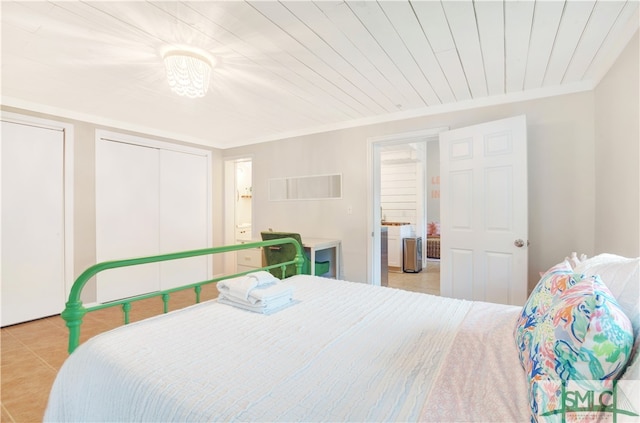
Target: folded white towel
<point>237,287</point>
<point>263,277</point>
<point>259,292</point>
<point>241,286</point>
<point>263,308</point>
<point>266,294</point>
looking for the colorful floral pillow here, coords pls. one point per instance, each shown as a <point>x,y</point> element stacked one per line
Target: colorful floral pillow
<point>621,275</point>
<point>582,334</point>
<point>552,283</point>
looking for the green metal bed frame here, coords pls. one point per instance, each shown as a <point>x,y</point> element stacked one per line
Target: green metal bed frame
<point>75,311</point>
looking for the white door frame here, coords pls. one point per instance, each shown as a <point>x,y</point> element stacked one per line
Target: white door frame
<point>374,146</point>
<point>68,166</point>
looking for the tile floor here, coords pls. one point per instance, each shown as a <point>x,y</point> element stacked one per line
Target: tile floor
<point>427,281</point>
<point>33,352</point>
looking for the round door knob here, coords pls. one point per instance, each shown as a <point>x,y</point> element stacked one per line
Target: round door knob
<point>518,243</point>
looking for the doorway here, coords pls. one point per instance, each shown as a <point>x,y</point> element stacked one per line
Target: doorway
<point>243,200</point>
<point>410,207</point>
<point>238,206</point>
<point>404,193</point>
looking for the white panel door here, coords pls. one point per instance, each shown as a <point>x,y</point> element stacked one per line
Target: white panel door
<point>183,216</point>
<point>127,218</point>
<point>484,212</point>
<point>32,222</point>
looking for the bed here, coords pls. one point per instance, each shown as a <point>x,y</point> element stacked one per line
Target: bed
<point>433,247</point>
<point>342,351</point>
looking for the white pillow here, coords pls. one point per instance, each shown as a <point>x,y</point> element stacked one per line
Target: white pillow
<point>622,277</point>
<point>574,260</point>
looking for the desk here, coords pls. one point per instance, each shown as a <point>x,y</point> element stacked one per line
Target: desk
<point>331,247</point>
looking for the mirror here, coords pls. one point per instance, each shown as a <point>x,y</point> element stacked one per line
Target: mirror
<point>316,187</point>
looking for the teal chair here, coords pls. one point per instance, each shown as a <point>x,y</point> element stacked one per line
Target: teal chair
<point>287,252</point>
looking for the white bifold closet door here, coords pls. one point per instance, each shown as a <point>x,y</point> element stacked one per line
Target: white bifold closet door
<point>149,201</point>
<point>183,216</point>
<point>32,222</point>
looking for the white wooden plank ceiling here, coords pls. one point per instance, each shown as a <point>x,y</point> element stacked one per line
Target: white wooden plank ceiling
<point>297,67</point>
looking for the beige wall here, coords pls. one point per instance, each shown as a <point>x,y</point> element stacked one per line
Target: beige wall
<point>561,205</point>
<point>617,151</point>
<point>578,176</point>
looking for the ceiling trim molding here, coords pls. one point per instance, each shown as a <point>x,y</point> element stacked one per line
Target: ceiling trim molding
<point>101,121</point>
<point>393,117</point>
<point>430,111</point>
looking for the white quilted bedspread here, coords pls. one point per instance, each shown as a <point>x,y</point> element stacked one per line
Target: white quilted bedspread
<point>345,352</point>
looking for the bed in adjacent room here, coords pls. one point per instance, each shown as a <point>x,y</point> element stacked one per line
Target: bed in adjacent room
<point>433,247</point>
<point>433,240</point>
<point>339,351</point>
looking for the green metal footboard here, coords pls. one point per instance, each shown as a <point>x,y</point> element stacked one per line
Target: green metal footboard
<point>75,311</point>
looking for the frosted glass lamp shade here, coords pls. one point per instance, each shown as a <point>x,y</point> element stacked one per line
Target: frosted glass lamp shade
<point>188,73</point>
